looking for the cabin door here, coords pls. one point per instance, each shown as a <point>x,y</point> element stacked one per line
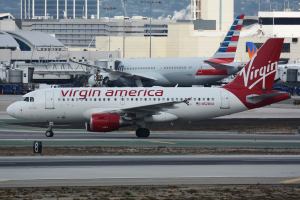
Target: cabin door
<point>49,100</point>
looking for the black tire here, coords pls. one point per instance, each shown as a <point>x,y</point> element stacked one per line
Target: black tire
<point>49,134</point>
<point>142,133</point>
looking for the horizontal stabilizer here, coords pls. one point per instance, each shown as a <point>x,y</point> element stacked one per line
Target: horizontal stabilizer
<point>219,64</point>
<point>254,99</point>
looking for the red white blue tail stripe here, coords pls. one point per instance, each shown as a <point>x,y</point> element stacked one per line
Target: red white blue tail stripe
<point>227,50</point>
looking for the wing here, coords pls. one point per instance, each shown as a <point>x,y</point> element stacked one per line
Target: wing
<point>139,112</point>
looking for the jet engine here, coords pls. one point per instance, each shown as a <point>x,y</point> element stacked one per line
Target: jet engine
<point>104,123</point>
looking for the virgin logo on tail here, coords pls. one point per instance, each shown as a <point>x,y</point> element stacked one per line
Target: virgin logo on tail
<point>259,75</point>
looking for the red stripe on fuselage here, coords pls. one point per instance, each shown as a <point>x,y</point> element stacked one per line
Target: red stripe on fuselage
<point>212,72</point>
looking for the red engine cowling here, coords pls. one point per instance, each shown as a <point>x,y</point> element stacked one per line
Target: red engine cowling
<point>104,123</point>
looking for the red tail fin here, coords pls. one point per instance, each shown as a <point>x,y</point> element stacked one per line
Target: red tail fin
<point>259,73</point>
<point>253,86</point>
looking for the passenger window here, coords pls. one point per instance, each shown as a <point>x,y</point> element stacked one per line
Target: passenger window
<point>26,99</point>
<point>31,99</point>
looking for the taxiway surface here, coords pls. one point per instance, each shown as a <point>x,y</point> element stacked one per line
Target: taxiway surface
<point>145,170</point>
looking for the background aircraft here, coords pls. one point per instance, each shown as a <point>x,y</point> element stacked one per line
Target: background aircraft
<point>108,109</point>
<point>175,71</point>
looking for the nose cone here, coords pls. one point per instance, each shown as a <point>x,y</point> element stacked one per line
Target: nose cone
<point>12,110</point>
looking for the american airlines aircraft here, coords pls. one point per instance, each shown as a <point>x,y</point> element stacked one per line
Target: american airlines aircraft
<point>174,71</point>
<point>108,109</point>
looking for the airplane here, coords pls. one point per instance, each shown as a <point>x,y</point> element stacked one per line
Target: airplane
<point>108,109</point>
<point>169,72</point>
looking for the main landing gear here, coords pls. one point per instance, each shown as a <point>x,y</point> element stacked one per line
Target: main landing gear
<point>142,133</point>
<point>49,131</point>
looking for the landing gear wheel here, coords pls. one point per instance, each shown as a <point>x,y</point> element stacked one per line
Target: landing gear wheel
<point>49,133</point>
<point>142,133</point>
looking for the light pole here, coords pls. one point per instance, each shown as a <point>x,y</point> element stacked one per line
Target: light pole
<point>151,2</point>
<point>109,9</point>
<point>21,11</point>
<point>124,24</point>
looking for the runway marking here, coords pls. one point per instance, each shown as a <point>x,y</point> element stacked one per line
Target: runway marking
<point>161,142</point>
<point>291,181</point>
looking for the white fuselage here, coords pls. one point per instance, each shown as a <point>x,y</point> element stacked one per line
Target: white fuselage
<point>169,72</point>
<point>79,104</point>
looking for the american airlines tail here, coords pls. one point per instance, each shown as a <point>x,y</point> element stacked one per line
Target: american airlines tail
<point>253,86</point>
<point>226,52</point>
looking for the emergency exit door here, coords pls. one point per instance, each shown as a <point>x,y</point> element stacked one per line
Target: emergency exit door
<point>225,102</point>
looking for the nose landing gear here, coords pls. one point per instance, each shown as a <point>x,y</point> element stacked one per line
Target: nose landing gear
<point>49,131</point>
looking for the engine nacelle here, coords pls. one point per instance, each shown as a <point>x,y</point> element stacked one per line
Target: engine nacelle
<point>104,123</point>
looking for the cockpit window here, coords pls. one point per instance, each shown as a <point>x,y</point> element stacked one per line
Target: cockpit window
<point>29,99</point>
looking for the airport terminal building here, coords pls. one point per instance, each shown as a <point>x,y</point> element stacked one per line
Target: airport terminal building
<point>104,40</point>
